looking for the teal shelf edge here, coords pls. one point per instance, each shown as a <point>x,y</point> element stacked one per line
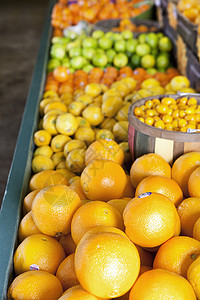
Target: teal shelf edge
<point>20,171</point>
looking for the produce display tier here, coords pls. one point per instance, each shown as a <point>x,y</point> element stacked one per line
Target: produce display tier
<point>20,170</point>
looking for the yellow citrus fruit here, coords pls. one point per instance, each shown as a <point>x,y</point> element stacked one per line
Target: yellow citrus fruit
<point>149,164</point>
<point>193,276</point>
<point>101,259</point>
<point>67,243</point>
<point>85,134</point>
<point>42,163</point>
<point>104,149</point>
<point>93,115</point>
<point>77,292</point>
<point>92,214</point>
<point>38,252</point>
<point>196,230</point>
<point>129,190</point>
<point>66,173</point>
<point>150,219</point>
<point>161,284</point>
<point>183,168</point>
<point>76,186</point>
<point>193,183</point>
<point>66,273</point>
<point>189,212</point>
<point>42,138</point>
<point>93,89</point>
<point>162,185</point>
<point>53,209</point>
<point>27,227</point>
<point>177,254</point>
<point>119,204</point>
<point>28,201</point>
<point>37,285</point>
<point>103,180</point>
<point>179,82</point>
<point>58,142</point>
<point>66,124</point>
<point>43,150</point>
<point>46,178</point>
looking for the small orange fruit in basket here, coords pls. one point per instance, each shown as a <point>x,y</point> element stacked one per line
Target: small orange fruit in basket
<point>161,284</point>
<point>177,254</point>
<point>66,273</point>
<point>162,185</point>
<point>189,212</point>
<point>149,164</point>
<point>151,219</point>
<point>53,209</point>
<point>183,168</point>
<point>38,285</point>
<point>103,180</point>
<point>107,264</point>
<point>38,252</point>
<point>92,214</point>
<point>104,149</point>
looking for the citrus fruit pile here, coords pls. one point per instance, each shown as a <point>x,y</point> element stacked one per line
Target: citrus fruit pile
<point>190,9</point>
<point>170,114</point>
<point>113,235</point>
<point>148,50</point>
<point>66,13</point>
<point>126,24</point>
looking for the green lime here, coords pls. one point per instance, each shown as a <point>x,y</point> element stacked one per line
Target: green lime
<point>117,36</point>
<point>88,68</point>
<point>88,52</point>
<point>152,40</point>
<point>110,55</point>
<point>120,60</point>
<point>105,43</point>
<point>142,49</point>
<point>162,61</point>
<point>52,64</point>
<point>78,62</point>
<point>57,51</point>
<point>89,42</point>
<point>151,71</point>
<point>148,61</point>
<point>97,34</point>
<point>120,46</point>
<point>74,44</point>
<point>135,60</point>
<point>165,44</point>
<point>76,51</point>
<point>66,62</point>
<point>100,60</point>
<point>127,34</point>
<point>131,45</point>
<point>142,38</point>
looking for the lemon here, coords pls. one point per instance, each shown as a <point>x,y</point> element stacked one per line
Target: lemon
<point>111,106</point>
<point>42,138</point>
<point>98,100</point>
<point>57,158</point>
<point>157,90</point>
<point>120,131</point>
<point>65,172</point>
<point>108,123</point>
<point>43,103</point>
<point>85,134</point>
<point>93,89</point>
<point>111,93</point>
<point>72,145</point>
<point>122,114</point>
<point>54,112</point>
<point>55,105</point>
<point>150,83</point>
<point>179,82</point>
<point>66,124</point>
<point>49,124</point>
<point>93,115</point>
<point>49,94</point>
<point>86,99</point>
<point>66,98</point>
<point>122,88</point>
<point>130,82</point>
<point>76,108</point>
<point>82,122</point>
<point>43,150</point>
<point>58,142</point>
<point>41,163</point>
<point>104,134</point>
<point>75,160</point>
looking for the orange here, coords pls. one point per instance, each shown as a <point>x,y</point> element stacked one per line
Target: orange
<point>107,264</point>
<point>102,228</point>
<point>193,276</point>
<point>40,252</point>
<point>183,168</point>
<point>144,269</point>
<point>28,201</point>
<point>162,185</point>
<point>161,284</point>
<point>146,165</point>
<point>37,285</point>
<point>194,183</point>
<point>92,214</point>
<point>146,257</point>
<point>104,149</point>
<point>46,178</point>
<point>119,204</point>
<point>27,227</point>
<point>61,73</point>
<point>53,209</point>
<point>77,292</point>
<point>189,212</point>
<point>66,273</point>
<point>129,190</point>
<point>76,186</point>
<point>150,219</point>
<point>103,180</point>
<point>67,243</point>
<point>196,230</point>
<point>177,254</point>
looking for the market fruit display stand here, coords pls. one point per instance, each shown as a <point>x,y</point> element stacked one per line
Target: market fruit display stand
<point>20,170</point>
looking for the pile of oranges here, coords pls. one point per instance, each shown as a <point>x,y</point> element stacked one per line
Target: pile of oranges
<point>113,236</point>
<point>66,13</point>
<point>126,24</point>
<point>190,9</point>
